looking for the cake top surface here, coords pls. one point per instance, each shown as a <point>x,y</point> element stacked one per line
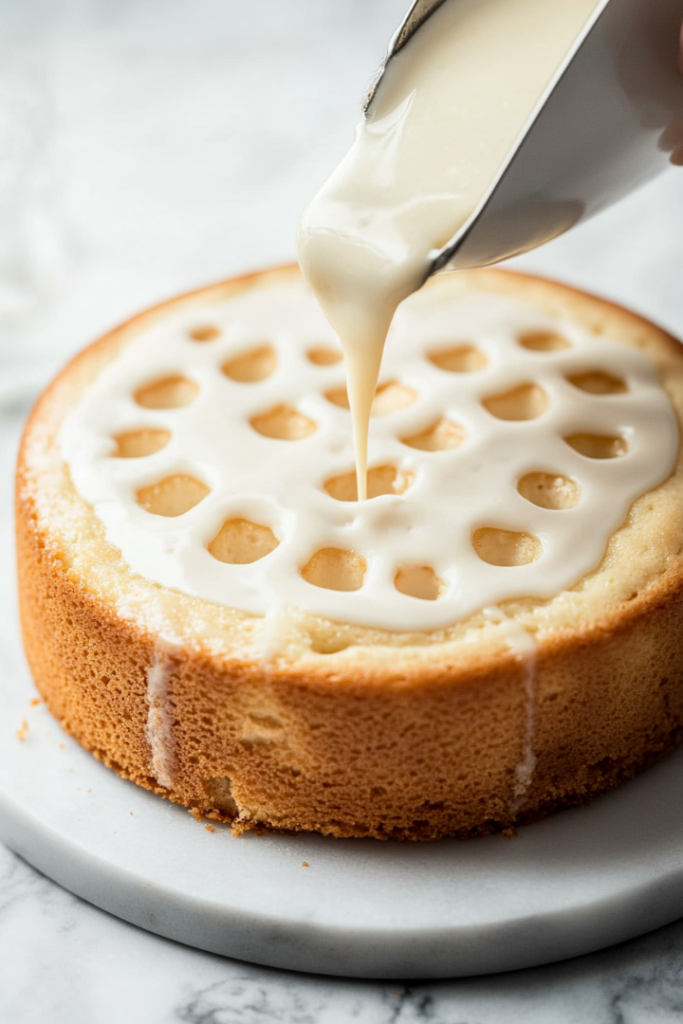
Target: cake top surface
<point>506,447</point>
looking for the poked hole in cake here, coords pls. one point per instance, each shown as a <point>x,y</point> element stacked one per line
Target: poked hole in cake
<point>381,480</point>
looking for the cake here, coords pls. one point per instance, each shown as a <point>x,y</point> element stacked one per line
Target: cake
<point>218,620</point>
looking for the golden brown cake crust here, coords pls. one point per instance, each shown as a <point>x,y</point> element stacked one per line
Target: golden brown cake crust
<point>357,741</point>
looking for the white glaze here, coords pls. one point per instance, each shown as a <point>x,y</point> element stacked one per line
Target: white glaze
<point>449,108</point>
<point>279,483</point>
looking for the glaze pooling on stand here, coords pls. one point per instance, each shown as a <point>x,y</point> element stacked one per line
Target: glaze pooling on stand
<point>462,502</point>
<point>448,110</point>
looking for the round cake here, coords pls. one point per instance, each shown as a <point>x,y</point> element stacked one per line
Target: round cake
<point>496,633</point>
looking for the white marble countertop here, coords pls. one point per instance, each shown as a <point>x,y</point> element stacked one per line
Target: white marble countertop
<point>132,165</point>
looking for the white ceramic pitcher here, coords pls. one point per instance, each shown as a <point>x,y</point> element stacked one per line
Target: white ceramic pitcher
<point>611,119</point>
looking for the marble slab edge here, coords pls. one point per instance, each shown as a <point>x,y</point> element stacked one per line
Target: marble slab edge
<point>360,953</point>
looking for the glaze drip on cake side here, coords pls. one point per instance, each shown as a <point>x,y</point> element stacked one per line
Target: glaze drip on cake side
<point>159,733</point>
<point>523,646</point>
<point>447,112</point>
<point>459,366</point>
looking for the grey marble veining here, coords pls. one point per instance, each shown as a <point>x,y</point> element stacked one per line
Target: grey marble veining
<point>140,170</point>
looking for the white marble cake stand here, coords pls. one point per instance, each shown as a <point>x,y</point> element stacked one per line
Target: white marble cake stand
<point>580,881</point>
